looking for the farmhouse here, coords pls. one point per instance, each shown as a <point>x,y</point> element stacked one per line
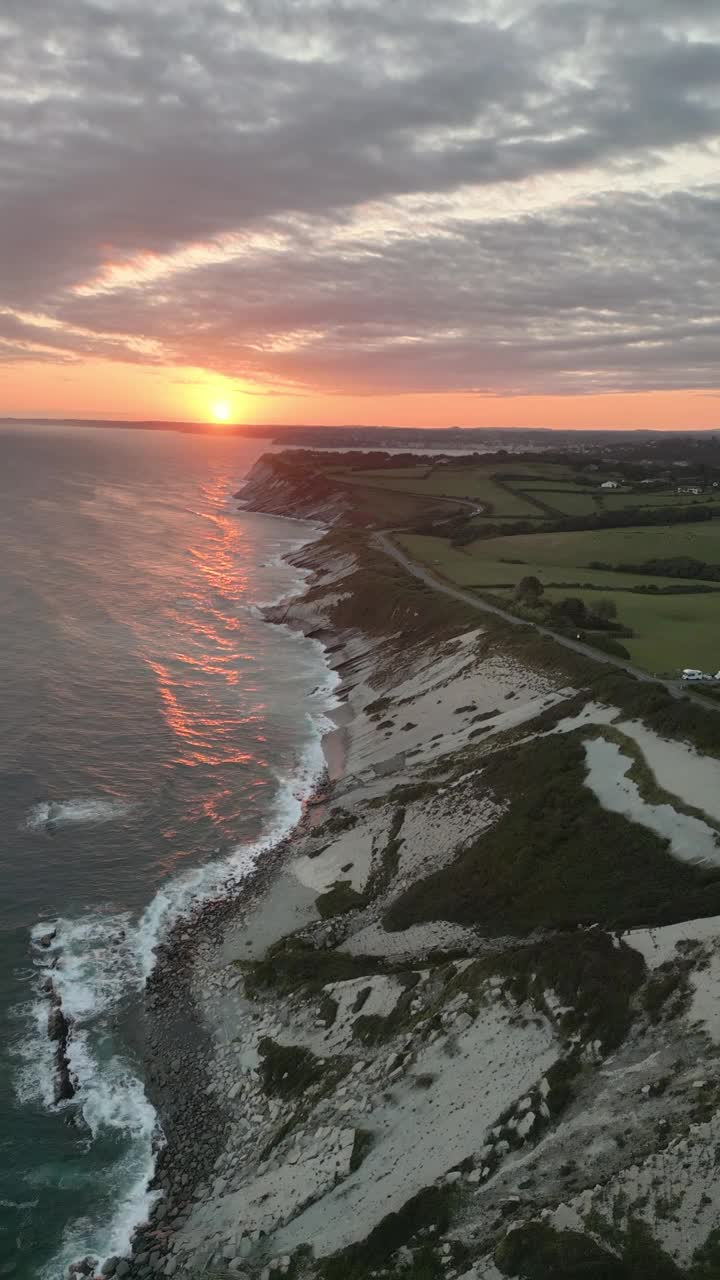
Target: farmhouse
<point>610,484</point>
<point>689,488</point>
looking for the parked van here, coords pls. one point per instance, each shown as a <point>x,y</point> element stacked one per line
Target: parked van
<point>691,673</point>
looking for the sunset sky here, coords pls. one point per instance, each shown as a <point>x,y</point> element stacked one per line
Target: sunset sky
<point>421,212</point>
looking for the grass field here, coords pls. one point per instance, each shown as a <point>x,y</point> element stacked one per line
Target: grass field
<point>616,501</point>
<point>501,560</point>
<point>516,490</point>
<point>471,484</point>
<point>671,631</point>
<point>561,485</point>
<point>536,470</point>
<point>574,502</point>
<point>614,546</point>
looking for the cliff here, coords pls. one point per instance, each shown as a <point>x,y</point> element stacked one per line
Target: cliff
<point>324,488</point>
<point>465,1024</point>
<point>280,485</point>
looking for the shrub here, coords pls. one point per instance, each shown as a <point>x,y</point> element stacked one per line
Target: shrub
<point>288,1070</point>
<point>605,608</point>
<point>293,965</point>
<point>535,1251</point>
<point>430,1208</point>
<point>607,644</point>
<point>669,980</point>
<point>338,900</point>
<point>529,590</point>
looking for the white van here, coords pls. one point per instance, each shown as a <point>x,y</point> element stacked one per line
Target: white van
<point>691,673</point>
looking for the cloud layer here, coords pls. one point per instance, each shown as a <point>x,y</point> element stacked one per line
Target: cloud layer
<point>348,196</point>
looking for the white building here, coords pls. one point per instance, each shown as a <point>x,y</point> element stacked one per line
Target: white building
<point>610,484</point>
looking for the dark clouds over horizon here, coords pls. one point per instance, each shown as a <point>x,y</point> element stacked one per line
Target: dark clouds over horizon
<point>492,195</point>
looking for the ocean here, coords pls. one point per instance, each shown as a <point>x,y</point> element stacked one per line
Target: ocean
<point>157,735</point>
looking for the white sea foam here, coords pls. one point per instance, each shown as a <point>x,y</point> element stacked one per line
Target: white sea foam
<point>92,976</point>
<point>78,810</point>
<point>288,592</point>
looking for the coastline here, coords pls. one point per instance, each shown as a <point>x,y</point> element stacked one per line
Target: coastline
<point>341,1053</point>
<point>178,1042</point>
<point>176,1046</point>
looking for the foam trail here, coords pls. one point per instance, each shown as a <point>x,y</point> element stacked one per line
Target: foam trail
<point>78,810</point>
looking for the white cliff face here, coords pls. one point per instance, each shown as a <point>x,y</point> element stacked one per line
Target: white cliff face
<point>690,838</point>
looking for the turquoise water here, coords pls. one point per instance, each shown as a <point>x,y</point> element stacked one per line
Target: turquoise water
<point>157,734</point>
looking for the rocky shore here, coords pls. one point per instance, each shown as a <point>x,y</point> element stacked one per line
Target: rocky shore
<point>179,1049</point>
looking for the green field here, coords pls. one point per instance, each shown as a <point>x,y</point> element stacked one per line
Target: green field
<point>517,491</point>
<point>616,501</point>
<point>614,546</point>
<point>671,631</point>
<point>536,470</point>
<point>562,485</point>
<point>573,502</point>
<point>472,484</point>
<point>481,565</point>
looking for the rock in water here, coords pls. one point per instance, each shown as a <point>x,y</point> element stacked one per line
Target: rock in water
<point>58,1026</point>
<point>86,1267</point>
<point>64,1087</point>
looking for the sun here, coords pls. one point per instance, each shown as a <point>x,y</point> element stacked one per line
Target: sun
<point>221,411</point>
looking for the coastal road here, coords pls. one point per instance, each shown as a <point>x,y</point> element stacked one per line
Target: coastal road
<point>678,690</point>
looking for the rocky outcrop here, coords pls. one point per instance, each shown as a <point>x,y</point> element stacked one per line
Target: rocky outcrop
<point>59,1031</point>
<point>64,1088</point>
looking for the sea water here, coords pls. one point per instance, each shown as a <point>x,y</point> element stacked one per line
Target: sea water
<point>157,735</point>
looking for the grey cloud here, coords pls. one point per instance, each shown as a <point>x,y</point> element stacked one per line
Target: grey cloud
<point>565,302</point>
<point>144,125</point>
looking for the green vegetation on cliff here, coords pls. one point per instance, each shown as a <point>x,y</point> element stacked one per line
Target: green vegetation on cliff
<point>536,1251</point>
<point>557,858</point>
